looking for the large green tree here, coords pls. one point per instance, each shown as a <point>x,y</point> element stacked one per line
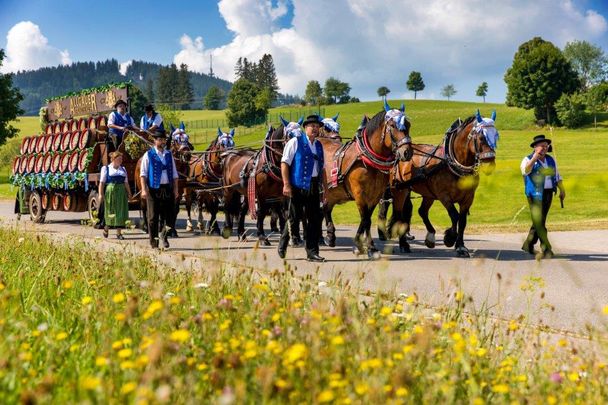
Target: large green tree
<point>185,92</point>
<point>448,91</point>
<point>313,92</point>
<point>137,102</point>
<point>245,104</point>
<point>266,76</point>
<point>9,104</point>
<point>597,99</point>
<point>415,83</point>
<point>482,91</point>
<point>383,91</point>
<point>149,92</point>
<point>166,88</point>
<point>213,98</point>
<point>336,91</point>
<point>540,74</point>
<point>588,60</point>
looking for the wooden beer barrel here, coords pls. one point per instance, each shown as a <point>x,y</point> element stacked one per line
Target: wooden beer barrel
<point>64,162</point>
<point>31,148</point>
<point>46,164</point>
<point>86,139</point>
<point>65,141</point>
<point>102,122</point>
<point>93,122</point>
<point>83,123</point>
<point>62,126</point>
<point>25,143</point>
<point>38,164</point>
<point>44,200</point>
<point>31,163</point>
<point>56,202</point>
<point>23,164</point>
<point>40,144</point>
<point>48,129</point>
<point>55,163</point>
<point>71,125</point>
<point>48,143</point>
<point>54,128</point>
<point>56,145</point>
<point>75,140</point>
<point>16,163</point>
<point>82,159</point>
<point>73,160</point>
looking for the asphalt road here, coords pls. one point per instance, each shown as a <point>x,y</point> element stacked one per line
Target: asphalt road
<point>574,284</point>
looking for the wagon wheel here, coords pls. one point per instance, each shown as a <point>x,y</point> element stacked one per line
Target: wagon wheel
<point>37,213</point>
<point>93,205</point>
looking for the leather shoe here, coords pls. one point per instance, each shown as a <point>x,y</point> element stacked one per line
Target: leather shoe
<point>548,254</point>
<point>281,253</point>
<point>315,258</point>
<point>165,243</point>
<point>528,248</point>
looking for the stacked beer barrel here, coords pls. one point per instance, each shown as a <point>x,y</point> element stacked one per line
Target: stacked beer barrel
<point>63,148</point>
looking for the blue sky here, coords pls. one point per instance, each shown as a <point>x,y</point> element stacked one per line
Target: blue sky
<point>366,43</point>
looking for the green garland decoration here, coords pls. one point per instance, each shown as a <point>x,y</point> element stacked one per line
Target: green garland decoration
<point>98,89</point>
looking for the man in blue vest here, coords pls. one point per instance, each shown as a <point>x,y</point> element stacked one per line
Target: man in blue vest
<point>151,120</point>
<point>159,187</point>
<point>301,171</point>
<point>541,181</point>
<point>118,122</point>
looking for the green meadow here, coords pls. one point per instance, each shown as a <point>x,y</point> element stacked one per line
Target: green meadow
<point>582,157</point>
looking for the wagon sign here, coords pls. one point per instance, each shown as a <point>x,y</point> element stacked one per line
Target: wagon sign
<point>86,104</point>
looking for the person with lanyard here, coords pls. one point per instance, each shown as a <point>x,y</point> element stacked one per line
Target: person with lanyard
<point>114,193</point>
<point>159,187</point>
<point>301,171</point>
<point>151,120</point>
<point>118,122</point>
<point>541,181</point>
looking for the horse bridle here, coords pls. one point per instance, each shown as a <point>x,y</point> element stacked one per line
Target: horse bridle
<point>458,168</point>
<point>396,144</point>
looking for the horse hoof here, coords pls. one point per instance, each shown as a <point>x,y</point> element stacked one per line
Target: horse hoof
<point>322,242</point>
<point>373,255</point>
<point>356,251</point>
<point>404,249</point>
<point>226,233</point>
<point>463,252</point>
<point>189,228</point>
<point>449,237</point>
<point>265,242</point>
<point>429,241</point>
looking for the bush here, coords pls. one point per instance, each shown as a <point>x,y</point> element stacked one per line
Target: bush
<point>570,110</point>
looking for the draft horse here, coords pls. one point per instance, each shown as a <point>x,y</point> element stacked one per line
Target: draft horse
<point>359,170</point>
<point>448,172</point>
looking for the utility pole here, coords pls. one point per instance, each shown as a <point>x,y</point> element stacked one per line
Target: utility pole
<point>211,66</point>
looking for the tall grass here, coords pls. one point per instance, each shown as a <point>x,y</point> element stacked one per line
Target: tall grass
<point>82,324</point>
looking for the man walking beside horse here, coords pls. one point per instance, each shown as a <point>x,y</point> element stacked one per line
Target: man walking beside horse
<point>301,171</point>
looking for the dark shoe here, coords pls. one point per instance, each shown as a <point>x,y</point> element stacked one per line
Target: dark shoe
<point>528,248</point>
<point>548,254</point>
<point>409,236</point>
<point>120,237</point>
<point>281,253</point>
<point>154,244</point>
<point>322,242</point>
<point>315,258</point>
<point>165,243</point>
<point>106,232</point>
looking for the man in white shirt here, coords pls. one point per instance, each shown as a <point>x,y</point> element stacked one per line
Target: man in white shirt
<point>301,171</point>
<point>541,181</point>
<point>118,122</point>
<point>159,187</point>
<point>151,120</point>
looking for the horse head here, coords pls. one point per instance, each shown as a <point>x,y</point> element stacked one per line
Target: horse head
<point>394,131</point>
<point>289,129</point>
<point>225,141</point>
<point>330,128</point>
<point>484,141</point>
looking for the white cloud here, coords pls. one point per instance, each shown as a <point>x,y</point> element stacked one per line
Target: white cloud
<point>370,43</point>
<point>27,49</point>
<point>122,67</point>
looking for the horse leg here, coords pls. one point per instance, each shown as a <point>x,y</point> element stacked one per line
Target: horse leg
<point>242,214</point>
<point>262,210</point>
<point>144,213</point>
<point>213,207</point>
<point>461,250</point>
<point>274,217</point>
<point>423,211</point>
<point>401,217</point>
<point>331,229</point>
<point>372,252</point>
<point>382,212</point>
<point>200,217</point>
<point>229,209</point>
<point>451,234</point>
<point>282,218</point>
<point>188,200</point>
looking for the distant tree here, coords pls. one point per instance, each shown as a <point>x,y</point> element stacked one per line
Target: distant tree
<point>170,115</point>
<point>570,109</point>
<point>448,91</point>
<point>137,102</point>
<point>597,100</point>
<point>336,90</point>
<point>9,104</point>
<point>482,91</point>
<point>415,83</point>
<point>214,98</point>
<point>244,104</point>
<point>168,83</point>
<point>383,91</point>
<point>355,100</point>
<point>149,92</point>
<point>540,74</point>
<point>266,76</point>
<point>313,92</point>
<point>185,93</point>
<point>588,60</point>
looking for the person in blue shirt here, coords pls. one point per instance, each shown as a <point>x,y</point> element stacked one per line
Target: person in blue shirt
<point>301,171</point>
<point>541,181</point>
<point>151,120</point>
<point>118,122</point>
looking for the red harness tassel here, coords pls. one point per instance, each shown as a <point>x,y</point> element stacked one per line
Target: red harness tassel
<point>251,188</point>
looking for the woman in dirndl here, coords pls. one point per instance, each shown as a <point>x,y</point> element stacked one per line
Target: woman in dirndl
<point>115,192</point>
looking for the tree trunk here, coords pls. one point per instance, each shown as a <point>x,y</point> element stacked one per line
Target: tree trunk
<point>484,99</point>
<point>415,95</point>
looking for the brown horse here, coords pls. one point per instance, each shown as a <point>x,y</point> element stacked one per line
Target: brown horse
<point>359,170</point>
<point>205,179</point>
<point>257,177</point>
<point>448,173</point>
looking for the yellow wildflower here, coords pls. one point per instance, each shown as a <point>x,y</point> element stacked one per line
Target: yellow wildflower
<point>337,340</point>
<point>180,335</point>
<point>385,311</point>
<point>295,353</point>
<point>101,361</point>
<point>121,316</point>
<point>128,364</point>
<point>61,336</point>
<point>500,388</point>
<point>118,298</point>
<point>326,396</point>
<point>128,388</point>
<point>604,310</point>
<point>86,300</point>
<point>361,388</point>
<point>401,392</point>
<point>124,353</point>
<point>90,383</point>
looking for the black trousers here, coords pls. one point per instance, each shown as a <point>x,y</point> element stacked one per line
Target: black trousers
<point>308,203</point>
<point>161,207</point>
<point>538,231</point>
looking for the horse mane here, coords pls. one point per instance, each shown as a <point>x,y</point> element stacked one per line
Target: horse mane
<point>237,152</point>
<point>375,122</point>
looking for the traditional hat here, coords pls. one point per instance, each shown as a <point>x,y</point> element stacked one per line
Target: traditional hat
<point>538,139</point>
<point>159,133</point>
<point>312,119</point>
<point>149,108</point>
<point>115,154</point>
<point>119,102</point>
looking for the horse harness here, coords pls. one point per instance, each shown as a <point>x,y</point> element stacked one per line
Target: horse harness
<point>454,165</point>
